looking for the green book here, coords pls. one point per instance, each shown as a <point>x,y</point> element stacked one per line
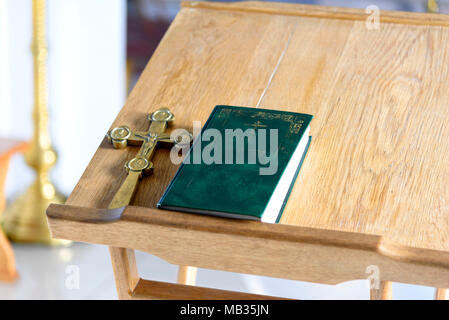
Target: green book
<point>243,164</point>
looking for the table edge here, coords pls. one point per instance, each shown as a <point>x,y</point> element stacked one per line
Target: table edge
<point>251,229</point>
<point>327,12</point>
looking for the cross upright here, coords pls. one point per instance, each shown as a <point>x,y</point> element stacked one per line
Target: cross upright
<point>141,164</point>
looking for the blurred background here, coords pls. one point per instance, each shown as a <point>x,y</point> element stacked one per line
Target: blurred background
<point>97,50</point>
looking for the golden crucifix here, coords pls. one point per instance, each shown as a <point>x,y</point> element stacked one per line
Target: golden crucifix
<point>141,164</point>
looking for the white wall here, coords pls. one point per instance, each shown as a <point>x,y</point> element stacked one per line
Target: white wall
<point>87,80</point>
<point>5,91</point>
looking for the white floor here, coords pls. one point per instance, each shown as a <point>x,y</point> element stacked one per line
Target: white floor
<point>83,271</point>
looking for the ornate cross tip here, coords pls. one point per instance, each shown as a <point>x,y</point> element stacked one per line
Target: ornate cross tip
<point>122,136</point>
<point>141,164</point>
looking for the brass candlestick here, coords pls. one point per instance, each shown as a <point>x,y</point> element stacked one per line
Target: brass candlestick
<point>432,6</point>
<point>25,219</point>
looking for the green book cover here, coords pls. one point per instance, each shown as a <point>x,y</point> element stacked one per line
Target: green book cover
<point>243,165</point>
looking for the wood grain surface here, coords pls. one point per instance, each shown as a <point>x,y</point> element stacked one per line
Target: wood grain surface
<point>379,159</point>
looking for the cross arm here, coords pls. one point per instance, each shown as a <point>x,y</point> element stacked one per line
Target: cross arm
<point>182,139</point>
<point>122,136</point>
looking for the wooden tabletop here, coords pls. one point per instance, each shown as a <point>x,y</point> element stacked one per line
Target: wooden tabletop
<point>379,159</point>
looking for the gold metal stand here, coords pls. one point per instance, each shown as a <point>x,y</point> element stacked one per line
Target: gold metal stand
<point>433,6</point>
<point>25,219</point>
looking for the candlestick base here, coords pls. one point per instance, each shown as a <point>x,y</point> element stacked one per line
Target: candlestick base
<point>25,220</point>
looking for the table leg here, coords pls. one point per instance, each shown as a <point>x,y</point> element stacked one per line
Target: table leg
<point>4,164</point>
<point>125,271</point>
<point>442,294</point>
<point>187,275</point>
<point>8,271</point>
<point>383,293</point>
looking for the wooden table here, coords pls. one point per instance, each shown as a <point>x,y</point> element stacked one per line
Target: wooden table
<point>373,192</point>
<point>8,147</point>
